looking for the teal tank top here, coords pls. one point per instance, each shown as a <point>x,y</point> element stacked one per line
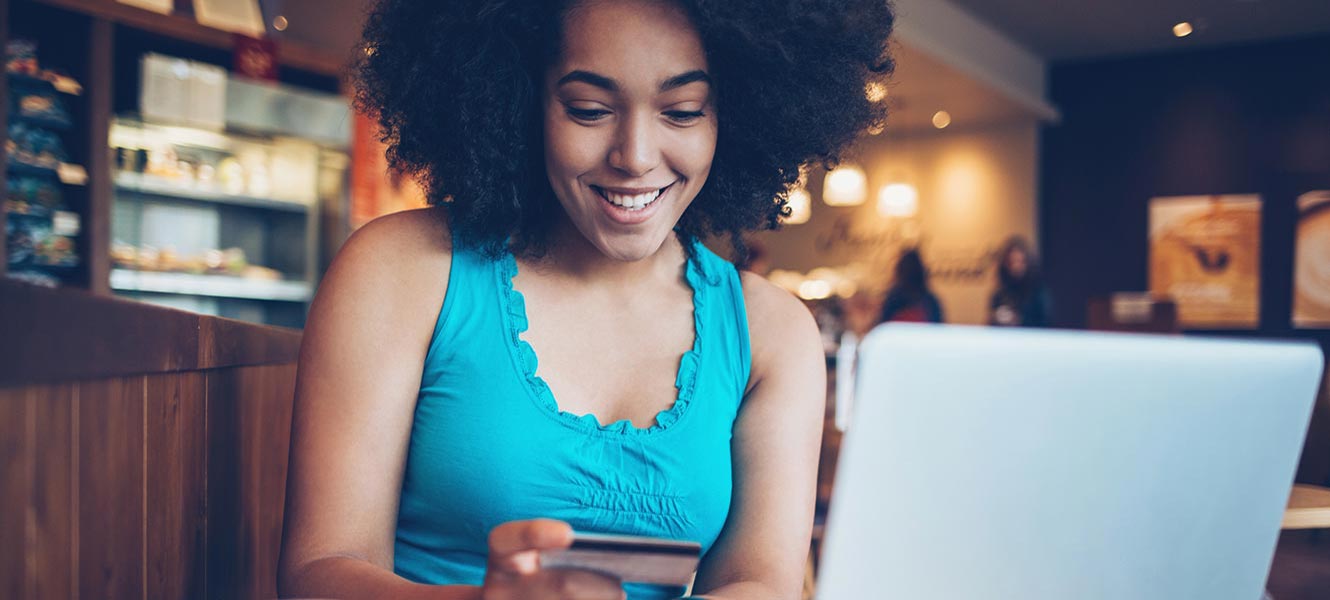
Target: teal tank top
<point>489,444</point>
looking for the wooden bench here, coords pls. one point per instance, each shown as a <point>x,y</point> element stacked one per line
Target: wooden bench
<point>143,450</point>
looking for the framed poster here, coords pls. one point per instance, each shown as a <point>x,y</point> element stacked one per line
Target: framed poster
<point>237,16</point>
<point>1205,254</point>
<point>158,6</point>
<point>1311,262</point>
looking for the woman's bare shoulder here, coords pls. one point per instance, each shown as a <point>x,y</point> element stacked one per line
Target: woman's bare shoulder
<point>778,325</point>
<point>391,274</point>
<point>413,235</point>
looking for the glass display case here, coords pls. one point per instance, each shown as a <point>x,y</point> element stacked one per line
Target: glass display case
<point>219,222</point>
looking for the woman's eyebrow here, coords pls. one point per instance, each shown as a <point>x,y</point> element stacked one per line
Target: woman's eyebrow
<point>588,77</point>
<point>610,85</point>
<point>685,79</point>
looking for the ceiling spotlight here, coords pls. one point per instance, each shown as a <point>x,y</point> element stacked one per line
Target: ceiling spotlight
<point>846,185</point>
<point>280,23</point>
<point>898,200</point>
<point>1182,29</point>
<point>941,119</point>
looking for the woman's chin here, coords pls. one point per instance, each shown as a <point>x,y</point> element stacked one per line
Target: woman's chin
<point>631,248</point>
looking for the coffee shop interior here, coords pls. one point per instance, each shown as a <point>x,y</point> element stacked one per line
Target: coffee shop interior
<point>179,175</point>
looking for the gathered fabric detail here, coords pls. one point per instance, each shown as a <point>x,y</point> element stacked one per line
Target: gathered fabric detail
<point>514,305</point>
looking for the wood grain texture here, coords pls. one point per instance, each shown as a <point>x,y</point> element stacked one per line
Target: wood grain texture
<point>276,385</point>
<point>176,477</point>
<point>249,428</point>
<point>227,485</point>
<point>53,499</point>
<point>228,343</point>
<point>15,490</point>
<point>111,488</point>
<point>65,335</point>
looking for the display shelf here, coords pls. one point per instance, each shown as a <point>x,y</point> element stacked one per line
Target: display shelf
<point>219,286</point>
<point>294,54</point>
<point>52,123</point>
<point>139,184</point>
<point>20,80</point>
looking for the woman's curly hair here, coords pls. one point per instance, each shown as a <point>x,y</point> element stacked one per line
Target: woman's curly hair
<point>456,87</point>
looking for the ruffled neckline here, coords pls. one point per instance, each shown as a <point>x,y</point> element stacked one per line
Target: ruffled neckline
<point>540,392</point>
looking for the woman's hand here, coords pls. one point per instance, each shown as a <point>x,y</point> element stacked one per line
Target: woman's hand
<point>514,571</point>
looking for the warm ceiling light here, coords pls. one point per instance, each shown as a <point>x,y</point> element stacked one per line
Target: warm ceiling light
<point>280,23</point>
<point>897,200</point>
<point>815,289</point>
<point>941,119</point>
<point>801,207</point>
<point>1182,29</point>
<point>875,91</point>
<point>846,185</point>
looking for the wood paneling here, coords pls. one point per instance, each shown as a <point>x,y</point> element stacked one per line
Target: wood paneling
<point>111,489</point>
<point>176,477</point>
<point>15,485</point>
<point>54,492</point>
<point>144,471</point>
<point>64,335</point>
<point>228,532</point>
<point>247,452</point>
<point>226,343</point>
<point>276,386</point>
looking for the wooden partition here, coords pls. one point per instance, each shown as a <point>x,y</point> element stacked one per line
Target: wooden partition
<point>143,449</point>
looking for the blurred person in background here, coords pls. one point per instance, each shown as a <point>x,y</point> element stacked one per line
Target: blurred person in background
<point>575,152</point>
<point>910,299</point>
<point>1020,300</point>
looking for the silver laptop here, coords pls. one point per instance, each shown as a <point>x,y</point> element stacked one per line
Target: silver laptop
<point>985,464</point>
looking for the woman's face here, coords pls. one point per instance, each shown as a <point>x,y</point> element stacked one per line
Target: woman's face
<point>630,128</point>
<point>1017,262</point>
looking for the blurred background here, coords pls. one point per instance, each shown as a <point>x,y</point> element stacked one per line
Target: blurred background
<point>1157,166</point>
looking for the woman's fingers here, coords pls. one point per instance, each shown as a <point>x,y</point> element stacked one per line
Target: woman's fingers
<point>515,546</point>
<point>514,571</point>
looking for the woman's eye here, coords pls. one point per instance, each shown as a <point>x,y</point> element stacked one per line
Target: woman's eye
<point>684,117</point>
<point>587,114</point>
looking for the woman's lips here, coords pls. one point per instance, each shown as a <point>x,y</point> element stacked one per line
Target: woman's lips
<point>631,206</point>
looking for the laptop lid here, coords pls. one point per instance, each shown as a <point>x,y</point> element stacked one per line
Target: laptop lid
<point>1021,464</point>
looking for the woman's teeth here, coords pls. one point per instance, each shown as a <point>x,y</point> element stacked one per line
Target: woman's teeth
<point>637,202</point>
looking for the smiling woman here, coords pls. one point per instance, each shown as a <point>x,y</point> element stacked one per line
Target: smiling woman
<point>576,152</point>
<point>630,128</point>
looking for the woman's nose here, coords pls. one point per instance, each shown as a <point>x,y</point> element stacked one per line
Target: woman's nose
<point>636,151</point>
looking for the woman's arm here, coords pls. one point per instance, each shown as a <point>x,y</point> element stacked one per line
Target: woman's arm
<point>360,365</point>
<point>761,553</point>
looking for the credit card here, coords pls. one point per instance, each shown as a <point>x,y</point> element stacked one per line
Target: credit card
<point>632,559</point>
